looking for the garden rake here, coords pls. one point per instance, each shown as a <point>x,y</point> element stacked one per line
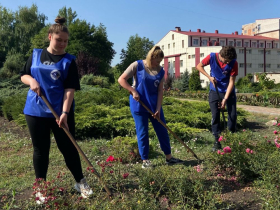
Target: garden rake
<point>77,146</point>
<point>164,125</point>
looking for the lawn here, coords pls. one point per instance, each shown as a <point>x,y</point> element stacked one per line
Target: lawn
<point>236,179</point>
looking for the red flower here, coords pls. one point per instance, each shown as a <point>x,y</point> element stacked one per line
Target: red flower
<point>125,175</point>
<point>92,171</point>
<point>111,172</point>
<point>110,159</point>
<point>275,132</point>
<point>227,149</point>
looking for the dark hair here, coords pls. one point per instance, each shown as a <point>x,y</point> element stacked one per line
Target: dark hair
<point>228,52</point>
<point>58,26</point>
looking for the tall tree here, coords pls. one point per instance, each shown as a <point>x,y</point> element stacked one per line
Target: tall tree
<point>68,14</point>
<point>137,48</point>
<point>6,33</point>
<point>28,22</point>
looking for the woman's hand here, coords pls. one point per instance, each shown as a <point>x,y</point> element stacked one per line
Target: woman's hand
<point>224,101</point>
<point>213,80</point>
<point>63,121</point>
<point>156,114</point>
<point>135,95</point>
<point>34,86</point>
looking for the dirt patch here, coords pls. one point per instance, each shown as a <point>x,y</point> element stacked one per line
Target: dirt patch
<point>11,127</point>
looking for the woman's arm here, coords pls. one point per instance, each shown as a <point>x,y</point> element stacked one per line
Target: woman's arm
<point>123,82</point>
<point>34,85</point>
<point>67,102</point>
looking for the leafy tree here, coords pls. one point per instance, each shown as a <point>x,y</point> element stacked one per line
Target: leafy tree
<point>13,64</point>
<point>86,64</point>
<point>28,23</point>
<point>6,33</point>
<point>137,48</point>
<point>194,81</point>
<point>68,14</point>
<point>40,40</point>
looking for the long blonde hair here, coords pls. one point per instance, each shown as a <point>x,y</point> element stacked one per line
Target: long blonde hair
<point>154,53</point>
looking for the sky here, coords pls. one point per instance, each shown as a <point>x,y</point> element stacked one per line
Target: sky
<point>153,19</point>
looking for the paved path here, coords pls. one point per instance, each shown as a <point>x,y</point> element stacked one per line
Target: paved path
<point>255,109</point>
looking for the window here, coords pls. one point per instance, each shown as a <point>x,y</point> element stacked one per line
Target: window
<point>268,52</point>
<point>162,47</point>
<point>276,45</point>
<point>189,56</point>
<point>261,45</point>
<point>254,44</point>
<point>253,30</point>
<point>246,44</point>
<point>278,66</point>
<point>195,41</point>
<point>267,65</point>
<point>241,51</point>
<point>222,42</point>
<point>248,65</point>
<point>183,44</point>
<point>259,27</point>
<point>193,56</point>
<point>260,65</point>
<point>202,55</point>
<point>213,42</point>
<point>172,36</point>
<point>174,45</point>
<point>168,46</point>
<point>241,65</point>
<point>173,64</point>
<point>268,45</point>
<point>169,65</point>
<point>260,51</point>
<point>181,63</point>
<point>230,43</point>
<point>248,51</point>
<point>204,42</point>
<point>201,81</point>
<point>238,44</point>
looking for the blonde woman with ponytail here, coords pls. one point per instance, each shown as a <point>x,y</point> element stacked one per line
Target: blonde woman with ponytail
<point>148,78</point>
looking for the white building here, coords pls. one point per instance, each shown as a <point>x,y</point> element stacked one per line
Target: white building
<point>183,50</point>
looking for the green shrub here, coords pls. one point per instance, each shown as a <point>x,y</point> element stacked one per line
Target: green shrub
<point>90,79</point>
<point>13,64</point>
<point>194,81</point>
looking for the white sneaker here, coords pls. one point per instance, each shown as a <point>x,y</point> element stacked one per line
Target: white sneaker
<point>147,164</point>
<point>83,188</point>
<point>40,199</point>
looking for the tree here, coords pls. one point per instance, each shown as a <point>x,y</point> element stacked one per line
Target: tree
<point>28,23</point>
<point>6,33</point>
<point>194,81</point>
<point>68,14</point>
<point>137,48</point>
<point>182,83</point>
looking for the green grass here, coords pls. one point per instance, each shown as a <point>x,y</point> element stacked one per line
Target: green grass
<point>164,187</point>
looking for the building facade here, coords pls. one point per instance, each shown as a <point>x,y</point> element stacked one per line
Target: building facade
<point>183,50</point>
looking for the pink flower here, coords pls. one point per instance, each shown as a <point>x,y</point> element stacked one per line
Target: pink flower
<point>219,175</point>
<point>275,132</point>
<point>220,139</point>
<point>248,150</point>
<point>198,169</point>
<point>92,171</point>
<point>251,151</point>
<point>277,145</point>
<point>274,123</point>
<point>219,152</point>
<point>278,124</point>
<point>227,149</point>
<point>244,130</point>
<point>265,137</point>
<point>222,153</point>
<point>240,143</point>
<point>125,175</point>
<point>268,141</point>
<point>110,159</point>
<point>276,118</point>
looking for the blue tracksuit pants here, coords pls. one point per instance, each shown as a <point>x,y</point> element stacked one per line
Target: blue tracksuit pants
<point>141,124</point>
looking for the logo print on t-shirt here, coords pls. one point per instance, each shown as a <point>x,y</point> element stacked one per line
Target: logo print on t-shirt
<point>225,72</point>
<point>48,63</point>
<point>55,74</point>
<point>156,83</point>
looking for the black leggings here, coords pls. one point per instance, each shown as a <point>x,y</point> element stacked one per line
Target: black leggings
<point>39,128</point>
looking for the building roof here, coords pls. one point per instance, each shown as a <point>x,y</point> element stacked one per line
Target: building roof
<point>218,35</point>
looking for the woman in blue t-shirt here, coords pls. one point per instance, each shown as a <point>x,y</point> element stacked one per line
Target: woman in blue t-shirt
<point>53,73</point>
<point>148,77</point>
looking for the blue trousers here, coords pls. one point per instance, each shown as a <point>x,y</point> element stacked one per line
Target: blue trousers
<point>141,124</point>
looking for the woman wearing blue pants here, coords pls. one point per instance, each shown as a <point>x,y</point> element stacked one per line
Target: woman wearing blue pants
<point>148,77</point>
